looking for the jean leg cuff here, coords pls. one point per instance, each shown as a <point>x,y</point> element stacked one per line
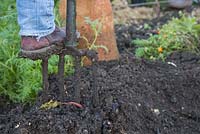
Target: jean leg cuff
<point>37,34</point>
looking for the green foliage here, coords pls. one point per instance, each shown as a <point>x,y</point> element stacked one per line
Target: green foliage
<point>147,26</point>
<point>69,65</point>
<point>59,22</point>
<point>179,34</point>
<point>20,79</point>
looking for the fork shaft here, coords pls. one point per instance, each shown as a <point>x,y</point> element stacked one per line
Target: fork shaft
<point>71,23</point>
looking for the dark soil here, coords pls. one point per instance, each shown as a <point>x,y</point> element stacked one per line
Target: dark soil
<point>135,96</point>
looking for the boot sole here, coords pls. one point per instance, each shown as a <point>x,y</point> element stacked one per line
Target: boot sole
<point>42,53</point>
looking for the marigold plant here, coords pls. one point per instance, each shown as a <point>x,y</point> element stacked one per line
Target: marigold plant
<point>179,34</point>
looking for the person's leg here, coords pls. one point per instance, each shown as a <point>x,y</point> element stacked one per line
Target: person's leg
<point>37,27</point>
<point>35,17</point>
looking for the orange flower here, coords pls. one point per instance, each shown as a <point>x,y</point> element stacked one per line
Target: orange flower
<point>160,49</point>
<point>157,32</point>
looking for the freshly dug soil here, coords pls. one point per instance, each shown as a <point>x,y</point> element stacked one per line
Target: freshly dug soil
<point>128,96</point>
<point>135,97</point>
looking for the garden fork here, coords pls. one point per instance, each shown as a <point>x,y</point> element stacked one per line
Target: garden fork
<point>66,48</point>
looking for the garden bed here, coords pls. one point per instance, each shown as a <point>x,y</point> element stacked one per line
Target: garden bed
<point>136,96</point>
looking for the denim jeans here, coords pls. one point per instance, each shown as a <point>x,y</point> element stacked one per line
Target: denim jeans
<point>35,17</point>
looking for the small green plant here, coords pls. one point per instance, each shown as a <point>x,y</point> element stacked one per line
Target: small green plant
<point>147,26</point>
<point>96,27</point>
<point>179,34</point>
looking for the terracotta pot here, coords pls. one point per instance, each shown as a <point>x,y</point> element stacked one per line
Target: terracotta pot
<point>101,10</point>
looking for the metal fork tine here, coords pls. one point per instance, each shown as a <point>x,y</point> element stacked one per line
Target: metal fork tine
<point>45,74</point>
<point>61,72</point>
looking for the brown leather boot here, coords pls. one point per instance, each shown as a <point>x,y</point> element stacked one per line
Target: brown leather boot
<point>31,43</point>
